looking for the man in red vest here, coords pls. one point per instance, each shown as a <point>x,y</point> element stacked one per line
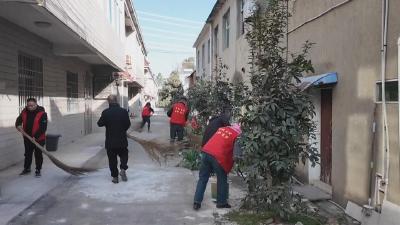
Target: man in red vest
<point>33,120</point>
<point>146,114</point>
<point>178,116</point>
<point>217,157</point>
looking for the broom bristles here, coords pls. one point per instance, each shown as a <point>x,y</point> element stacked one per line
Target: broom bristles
<point>76,171</point>
<point>154,148</point>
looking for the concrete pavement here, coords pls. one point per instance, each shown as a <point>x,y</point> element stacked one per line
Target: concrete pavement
<point>20,192</point>
<point>154,194</point>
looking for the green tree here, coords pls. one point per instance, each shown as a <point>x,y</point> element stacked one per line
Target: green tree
<point>277,124</point>
<point>171,91</point>
<point>160,79</point>
<point>209,97</point>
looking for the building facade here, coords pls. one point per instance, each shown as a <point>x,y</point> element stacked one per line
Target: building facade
<point>359,153</point>
<point>222,41</point>
<point>70,55</point>
<point>348,37</point>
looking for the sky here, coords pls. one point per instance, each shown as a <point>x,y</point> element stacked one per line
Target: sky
<point>170,28</point>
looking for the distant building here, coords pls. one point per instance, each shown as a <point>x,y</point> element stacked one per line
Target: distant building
<point>191,79</point>
<point>185,70</point>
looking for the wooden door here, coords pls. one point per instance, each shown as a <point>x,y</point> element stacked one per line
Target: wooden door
<point>326,135</point>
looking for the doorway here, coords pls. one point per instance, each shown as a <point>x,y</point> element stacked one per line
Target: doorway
<point>326,136</point>
<point>88,116</point>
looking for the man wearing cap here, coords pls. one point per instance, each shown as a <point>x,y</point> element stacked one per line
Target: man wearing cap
<point>217,157</point>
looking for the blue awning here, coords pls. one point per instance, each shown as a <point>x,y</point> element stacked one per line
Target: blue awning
<point>319,81</point>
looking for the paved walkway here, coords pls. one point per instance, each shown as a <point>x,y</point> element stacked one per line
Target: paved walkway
<point>19,192</point>
<point>154,194</point>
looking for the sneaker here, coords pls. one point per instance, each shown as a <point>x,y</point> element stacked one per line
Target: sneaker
<point>123,175</point>
<point>224,206</point>
<point>25,172</point>
<point>196,206</point>
<point>115,180</point>
<point>37,173</point>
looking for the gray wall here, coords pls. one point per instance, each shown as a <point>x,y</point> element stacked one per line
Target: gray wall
<point>69,124</point>
<point>348,41</point>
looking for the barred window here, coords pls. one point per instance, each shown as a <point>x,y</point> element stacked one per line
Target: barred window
<point>391,91</point>
<point>72,92</point>
<point>30,78</point>
<point>240,17</point>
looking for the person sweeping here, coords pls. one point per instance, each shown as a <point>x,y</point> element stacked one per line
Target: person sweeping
<point>117,122</point>
<point>178,113</point>
<point>216,122</point>
<point>33,121</point>
<point>217,157</point>
<point>147,112</point>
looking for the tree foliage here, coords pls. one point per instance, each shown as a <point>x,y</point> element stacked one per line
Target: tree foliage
<point>160,79</point>
<point>208,98</point>
<point>171,91</point>
<point>277,123</point>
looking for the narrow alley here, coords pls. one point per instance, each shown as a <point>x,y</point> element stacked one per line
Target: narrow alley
<point>154,194</point>
<point>199,112</point>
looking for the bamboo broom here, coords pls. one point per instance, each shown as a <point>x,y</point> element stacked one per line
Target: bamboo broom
<point>154,148</point>
<point>76,171</point>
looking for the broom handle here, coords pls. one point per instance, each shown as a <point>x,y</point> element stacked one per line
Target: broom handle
<point>33,141</point>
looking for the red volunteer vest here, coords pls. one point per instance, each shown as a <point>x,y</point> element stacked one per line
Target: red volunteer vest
<point>36,124</point>
<point>220,146</point>
<point>178,115</point>
<point>146,111</point>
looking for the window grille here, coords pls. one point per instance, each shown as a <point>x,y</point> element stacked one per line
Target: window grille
<point>30,79</point>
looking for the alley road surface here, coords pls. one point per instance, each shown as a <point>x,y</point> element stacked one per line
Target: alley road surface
<point>154,195</point>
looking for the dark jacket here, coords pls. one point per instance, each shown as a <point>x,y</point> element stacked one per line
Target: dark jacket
<point>116,120</point>
<point>213,125</point>
<point>30,120</point>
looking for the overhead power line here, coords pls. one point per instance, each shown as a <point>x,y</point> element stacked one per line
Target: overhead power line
<point>166,45</point>
<point>177,24</point>
<point>194,35</point>
<point>170,38</point>
<point>166,51</point>
<point>170,18</point>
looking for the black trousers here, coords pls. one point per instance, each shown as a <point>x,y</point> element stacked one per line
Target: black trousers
<point>113,155</point>
<point>176,130</point>
<point>31,149</point>
<point>145,119</point>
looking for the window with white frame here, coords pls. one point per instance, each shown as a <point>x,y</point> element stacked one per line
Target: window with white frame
<point>391,91</point>
<point>203,58</point>
<point>198,61</point>
<point>30,78</point>
<point>226,29</point>
<point>72,92</point>
<point>208,51</point>
<point>216,42</point>
<point>240,17</point>
<point>110,10</point>
<point>116,15</point>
